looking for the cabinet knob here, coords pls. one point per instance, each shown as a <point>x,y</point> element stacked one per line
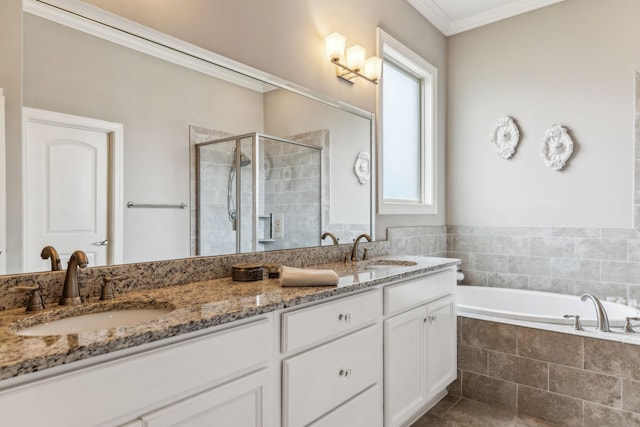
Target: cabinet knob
<point>345,317</point>
<point>430,319</point>
<point>345,373</point>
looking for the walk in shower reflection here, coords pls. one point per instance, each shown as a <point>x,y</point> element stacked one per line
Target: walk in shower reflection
<point>246,206</point>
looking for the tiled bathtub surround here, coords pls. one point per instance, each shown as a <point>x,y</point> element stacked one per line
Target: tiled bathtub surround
<point>564,379</point>
<point>159,274</point>
<point>424,241</point>
<point>603,261</point>
<point>572,261</point>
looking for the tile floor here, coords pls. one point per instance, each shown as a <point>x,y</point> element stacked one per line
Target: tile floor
<point>456,411</point>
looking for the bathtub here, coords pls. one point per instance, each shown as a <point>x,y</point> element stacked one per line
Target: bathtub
<point>535,306</point>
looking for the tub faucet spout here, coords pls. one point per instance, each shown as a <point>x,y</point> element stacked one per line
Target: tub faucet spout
<point>602,320</point>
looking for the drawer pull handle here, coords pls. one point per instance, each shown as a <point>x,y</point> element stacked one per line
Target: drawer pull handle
<point>345,317</point>
<point>345,373</point>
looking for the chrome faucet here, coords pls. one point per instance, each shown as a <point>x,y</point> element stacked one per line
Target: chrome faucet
<point>602,320</point>
<point>50,252</point>
<point>329,234</point>
<point>354,251</point>
<point>70,291</point>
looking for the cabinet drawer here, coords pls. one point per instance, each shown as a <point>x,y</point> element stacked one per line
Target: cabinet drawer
<point>321,322</point>
<point>415,292</point>
<point>319,380</point>
<point>364,410</point>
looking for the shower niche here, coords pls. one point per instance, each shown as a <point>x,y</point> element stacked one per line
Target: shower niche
<point>257,192</point>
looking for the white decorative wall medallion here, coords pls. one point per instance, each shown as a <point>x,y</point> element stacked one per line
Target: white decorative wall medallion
<point>362,167</point>
<point>556,147</point>
<point>505,137</point>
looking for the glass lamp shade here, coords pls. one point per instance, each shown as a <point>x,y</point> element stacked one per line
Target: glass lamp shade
<point>334,45</point>
<point>355,57</point>
<point>373,68</point>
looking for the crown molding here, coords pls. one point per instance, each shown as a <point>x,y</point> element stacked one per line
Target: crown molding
<point>433,13</point>
<point>430,10</point>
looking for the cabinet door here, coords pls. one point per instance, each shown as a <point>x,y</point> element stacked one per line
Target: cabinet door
<point>441,345</point>
<point>364,410</point>
<point>405,365</point>
<point>245,402</point>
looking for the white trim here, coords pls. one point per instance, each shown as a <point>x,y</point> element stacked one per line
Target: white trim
<point>116,168</point>
<point>430,10</point>
<point>433,14</point>
<point>389,46</point>
<point>108,26</point>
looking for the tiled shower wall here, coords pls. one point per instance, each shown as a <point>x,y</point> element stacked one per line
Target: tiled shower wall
<point>292,190</point>
<point>572,261</point>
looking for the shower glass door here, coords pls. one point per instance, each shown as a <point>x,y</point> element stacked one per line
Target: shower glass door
<point>248,206</point>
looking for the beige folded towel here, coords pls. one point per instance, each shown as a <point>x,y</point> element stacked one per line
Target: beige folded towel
<point>308,277</point>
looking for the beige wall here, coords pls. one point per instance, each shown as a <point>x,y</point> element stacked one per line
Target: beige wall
<point>286,38</point>
<point>572,64</point>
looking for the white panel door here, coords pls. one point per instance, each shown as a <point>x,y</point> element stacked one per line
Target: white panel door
<point>67,192</point>
<point>3,192</point>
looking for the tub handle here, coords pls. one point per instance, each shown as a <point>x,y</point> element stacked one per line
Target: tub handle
<point>627,324</point>
<point>577,326</point>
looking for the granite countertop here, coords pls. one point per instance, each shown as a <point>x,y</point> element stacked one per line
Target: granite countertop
<point>193,307</point>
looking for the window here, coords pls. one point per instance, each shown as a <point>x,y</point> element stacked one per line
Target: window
<point>406,108</point>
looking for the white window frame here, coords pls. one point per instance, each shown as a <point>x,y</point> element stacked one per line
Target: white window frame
<point>389,47</point>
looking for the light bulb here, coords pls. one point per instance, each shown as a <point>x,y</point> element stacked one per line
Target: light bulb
<point>334,45</point>
<point>355,57</point>
<point>373,68</point>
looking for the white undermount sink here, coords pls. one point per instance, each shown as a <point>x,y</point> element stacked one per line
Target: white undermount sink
<point>93,322</point>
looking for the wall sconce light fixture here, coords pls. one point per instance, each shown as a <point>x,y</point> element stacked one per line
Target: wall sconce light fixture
<point>356,65</point>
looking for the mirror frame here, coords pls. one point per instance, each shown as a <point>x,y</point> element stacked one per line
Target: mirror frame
<point>116,29</point>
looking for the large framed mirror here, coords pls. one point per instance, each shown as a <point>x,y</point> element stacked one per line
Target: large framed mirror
<point>170,99</point>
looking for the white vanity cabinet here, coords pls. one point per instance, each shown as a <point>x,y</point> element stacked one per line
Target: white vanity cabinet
<point>335,378</point>
<point>239,403</point>
<point>419,343</point>
<point>376,357</point>
<point>204,377</point>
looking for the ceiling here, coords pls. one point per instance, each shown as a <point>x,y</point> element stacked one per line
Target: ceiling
<point>455,16</point>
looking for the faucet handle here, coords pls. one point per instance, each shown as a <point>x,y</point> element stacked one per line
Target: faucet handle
<point>35,302</point>
<point>577,325</point>
<point>627,324</point>
<point>107,292</point>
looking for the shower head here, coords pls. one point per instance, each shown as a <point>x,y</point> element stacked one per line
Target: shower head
<point>244,159</point>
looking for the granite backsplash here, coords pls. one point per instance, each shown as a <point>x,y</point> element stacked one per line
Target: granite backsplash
<point>159,274</point>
